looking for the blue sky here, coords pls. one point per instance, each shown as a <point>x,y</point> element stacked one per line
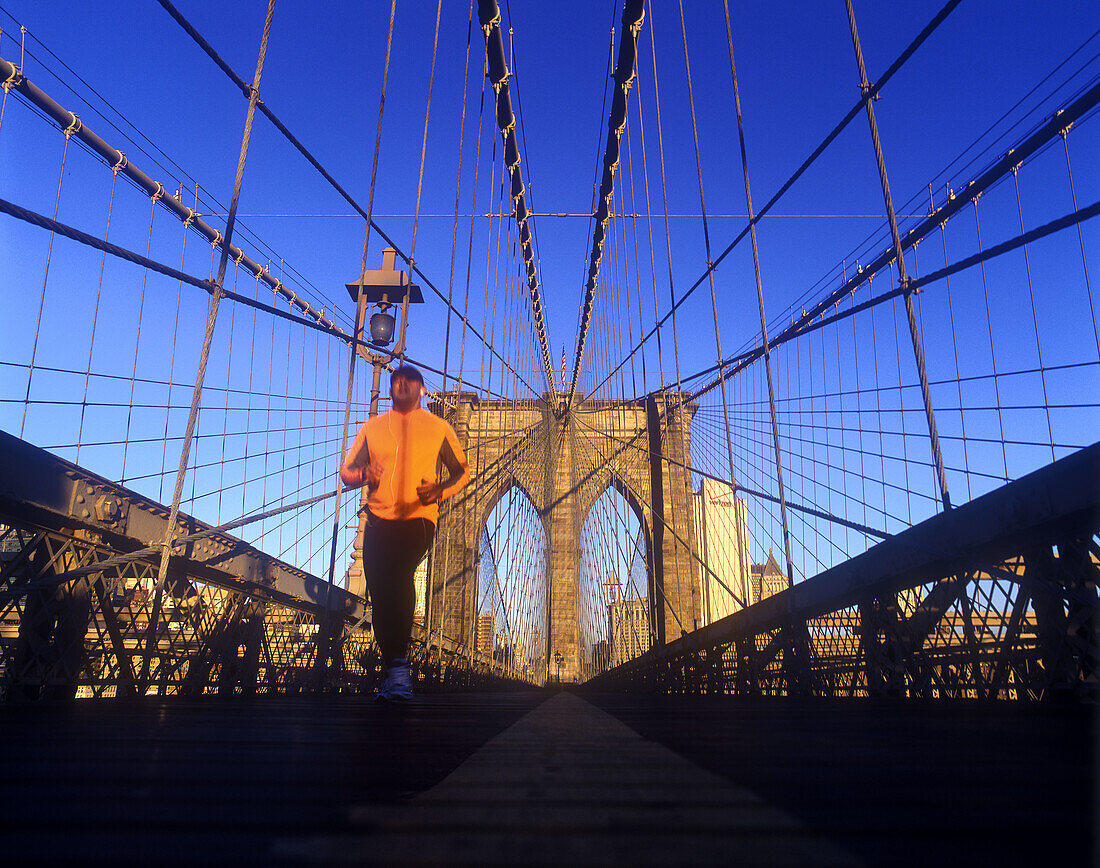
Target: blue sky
<point>987,75</point>
<point>797,77</point>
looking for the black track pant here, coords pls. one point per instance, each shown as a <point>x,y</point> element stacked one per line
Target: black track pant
<point>391,551</point>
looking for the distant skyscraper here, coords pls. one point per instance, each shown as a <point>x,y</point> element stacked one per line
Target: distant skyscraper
<point>599,656</point>
<point>420,582</point>
<point>630,635</point>
<point>485,624</point>
<point>722,536</point>
<point>504,650</point>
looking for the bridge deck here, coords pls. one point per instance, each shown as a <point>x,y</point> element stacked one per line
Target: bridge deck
<point>532,778</point>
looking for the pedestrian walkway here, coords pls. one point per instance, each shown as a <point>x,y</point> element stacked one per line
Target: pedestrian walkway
<point>569,784</point>
<point>546,778</point>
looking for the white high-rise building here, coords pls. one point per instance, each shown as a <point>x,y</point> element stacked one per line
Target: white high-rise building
<point>420,582</point>
<point>721,533</point>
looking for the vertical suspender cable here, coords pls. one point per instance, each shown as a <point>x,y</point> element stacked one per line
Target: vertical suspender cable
<point>95,320</point>
<point>458,193</point>
<point>399,348</point>
<point>359,310</point>
<point>666,413</point>
<point>208,337</point>
<point>73,127</point>
<point>1080,238</point>
<point>633,15</point>
<point>763,318</point>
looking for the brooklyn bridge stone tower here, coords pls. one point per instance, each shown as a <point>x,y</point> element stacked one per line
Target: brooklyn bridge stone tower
<point>563,461</point>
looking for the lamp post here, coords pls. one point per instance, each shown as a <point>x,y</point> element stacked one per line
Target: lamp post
<point>558,659</point>
<point>382,287</point>
<point>612,591</point>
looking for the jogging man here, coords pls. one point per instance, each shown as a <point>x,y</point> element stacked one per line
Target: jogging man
<point>398,456</point>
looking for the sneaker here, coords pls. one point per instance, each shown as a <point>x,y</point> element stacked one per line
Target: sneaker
<point>398,684</point>
<point>383,692</point>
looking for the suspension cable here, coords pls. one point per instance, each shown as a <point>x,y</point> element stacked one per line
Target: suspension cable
<point>205,354</point>
<point>489,16</point>
<point>313,161</point>
<point>759,298</point>
<point>633,16</point>
<point>360,312</point>
<point>872,91</point>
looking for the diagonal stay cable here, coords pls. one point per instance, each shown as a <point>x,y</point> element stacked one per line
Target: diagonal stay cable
<point>801,170</point>
<point>37,219</point>
<point>804,325</point>
<point>208,337</point>
<point>736,486</point>
<point>304,151</point>
<point>119,163</point>
<point>808,322</point>
<point>360,302</point>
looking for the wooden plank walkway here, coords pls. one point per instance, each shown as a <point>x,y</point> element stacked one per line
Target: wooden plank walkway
<point>547,779</point>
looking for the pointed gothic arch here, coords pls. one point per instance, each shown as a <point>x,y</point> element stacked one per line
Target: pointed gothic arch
<point>563,461</point>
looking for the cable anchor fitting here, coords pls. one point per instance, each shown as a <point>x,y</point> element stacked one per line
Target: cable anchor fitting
<point>15,79</point>
<point>74,127</point>
<point>866,88</point>
<point>488,26</point>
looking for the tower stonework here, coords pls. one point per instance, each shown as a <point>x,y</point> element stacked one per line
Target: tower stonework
<point>563,462</point>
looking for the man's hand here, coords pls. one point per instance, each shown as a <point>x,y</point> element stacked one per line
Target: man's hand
<point>369,475</point>
<point>372,475</point>
<point>428,492</point>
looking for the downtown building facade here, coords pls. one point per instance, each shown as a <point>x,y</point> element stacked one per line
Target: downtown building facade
<point>721,532</point>
<point>630,629</point>
<point>486,625</point>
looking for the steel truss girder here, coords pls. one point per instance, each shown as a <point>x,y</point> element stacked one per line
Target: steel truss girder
<point>97,630</point>
<point>41,489</point>
<point>240,620</point>
<point>889,622</point>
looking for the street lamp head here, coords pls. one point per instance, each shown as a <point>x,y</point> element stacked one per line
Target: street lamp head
<point>381,327</point>
<point>387,285</point>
